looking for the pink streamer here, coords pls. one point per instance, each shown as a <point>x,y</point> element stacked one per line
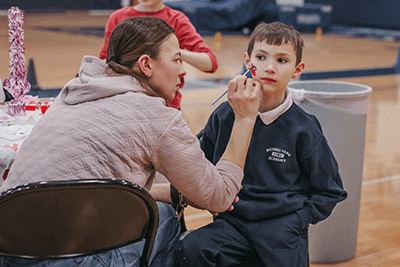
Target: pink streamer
<point>17,85</point>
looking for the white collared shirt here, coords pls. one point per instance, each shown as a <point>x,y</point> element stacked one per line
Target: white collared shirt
<point>270,116</point>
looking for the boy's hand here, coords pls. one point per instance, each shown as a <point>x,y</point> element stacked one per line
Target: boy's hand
<point>244,96</point>
<point>231,206</point>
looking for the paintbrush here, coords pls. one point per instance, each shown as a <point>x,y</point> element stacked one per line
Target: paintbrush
<point>253,71</point>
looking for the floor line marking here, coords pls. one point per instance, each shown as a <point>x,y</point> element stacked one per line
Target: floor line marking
<point>381,180</point>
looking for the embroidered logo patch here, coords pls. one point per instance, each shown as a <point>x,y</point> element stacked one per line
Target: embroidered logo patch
<point>278,154</point>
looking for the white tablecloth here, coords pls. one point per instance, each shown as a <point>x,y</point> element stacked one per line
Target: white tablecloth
<point>13,132</point>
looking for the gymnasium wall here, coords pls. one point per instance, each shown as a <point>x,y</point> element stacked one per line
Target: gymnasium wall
<point>370,13</point>
<point>51,5</point>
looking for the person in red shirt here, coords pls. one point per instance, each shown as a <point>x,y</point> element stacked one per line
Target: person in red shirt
<point>194,51</point>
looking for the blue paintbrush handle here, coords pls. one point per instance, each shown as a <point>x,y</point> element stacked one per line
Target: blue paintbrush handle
<point>227,90</point>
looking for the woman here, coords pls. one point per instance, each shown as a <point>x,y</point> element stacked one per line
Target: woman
<point>112,122</point>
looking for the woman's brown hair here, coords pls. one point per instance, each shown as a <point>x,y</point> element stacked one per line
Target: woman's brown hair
<point>132,38</point>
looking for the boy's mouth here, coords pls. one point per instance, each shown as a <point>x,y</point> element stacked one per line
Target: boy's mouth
<point>269,80</point>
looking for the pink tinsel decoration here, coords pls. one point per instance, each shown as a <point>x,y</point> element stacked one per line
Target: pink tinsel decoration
<point>17,84</point>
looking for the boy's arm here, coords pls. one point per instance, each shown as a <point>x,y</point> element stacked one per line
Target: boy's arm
<point>201,56</point>
<point>199,60</point>
<point>326,187</point>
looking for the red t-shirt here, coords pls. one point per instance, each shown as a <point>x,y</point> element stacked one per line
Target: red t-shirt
<point>186,33</point>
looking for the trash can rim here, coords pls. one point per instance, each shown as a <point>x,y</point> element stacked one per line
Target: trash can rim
<point>354,94</point>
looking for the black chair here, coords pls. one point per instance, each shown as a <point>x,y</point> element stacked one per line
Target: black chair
<point>74,218</point>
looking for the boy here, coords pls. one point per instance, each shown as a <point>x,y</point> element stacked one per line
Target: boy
<point>291,177</point>
<point>194,51</point>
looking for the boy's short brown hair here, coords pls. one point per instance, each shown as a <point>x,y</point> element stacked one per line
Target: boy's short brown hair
<point>277,33</point>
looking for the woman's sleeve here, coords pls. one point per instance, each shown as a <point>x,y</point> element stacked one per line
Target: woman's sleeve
<point>178,156</point>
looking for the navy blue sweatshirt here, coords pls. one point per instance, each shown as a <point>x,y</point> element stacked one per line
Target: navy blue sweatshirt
<point>289,166</point>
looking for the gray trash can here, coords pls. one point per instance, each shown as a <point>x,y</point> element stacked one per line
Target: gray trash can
<point>341,108</point>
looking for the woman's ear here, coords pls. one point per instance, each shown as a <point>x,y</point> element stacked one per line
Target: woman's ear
<point>298,70</point>
<point>144,65</point>
<point>246,61</point>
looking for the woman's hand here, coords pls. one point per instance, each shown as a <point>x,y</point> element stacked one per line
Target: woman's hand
<point>244,96</point>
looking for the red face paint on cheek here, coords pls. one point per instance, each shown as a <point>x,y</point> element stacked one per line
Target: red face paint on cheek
<point>253,69</point>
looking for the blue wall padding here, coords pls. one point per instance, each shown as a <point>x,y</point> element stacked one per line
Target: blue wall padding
<point>373,13</point>
<point>222,15</point>
<point>37,5</point>
<point>307,17</point>
<point>232,14</point>
<point>237,14</point>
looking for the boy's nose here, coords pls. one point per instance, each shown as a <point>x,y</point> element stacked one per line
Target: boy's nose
<point>270,68</point>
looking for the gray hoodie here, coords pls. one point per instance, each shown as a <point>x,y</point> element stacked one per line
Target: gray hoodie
<point>108,126</point>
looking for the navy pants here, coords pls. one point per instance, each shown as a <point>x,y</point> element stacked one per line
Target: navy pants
<point>279,242</point>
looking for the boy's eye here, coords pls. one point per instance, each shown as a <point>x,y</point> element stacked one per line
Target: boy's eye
<point>260,57</point>
<point>282,60</point>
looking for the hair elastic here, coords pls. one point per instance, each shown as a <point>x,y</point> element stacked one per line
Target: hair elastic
<point>113,58</point>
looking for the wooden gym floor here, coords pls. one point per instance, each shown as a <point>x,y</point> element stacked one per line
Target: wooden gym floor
<point>57,56</point>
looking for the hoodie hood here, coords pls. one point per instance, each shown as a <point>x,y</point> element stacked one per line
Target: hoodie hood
<point>95,82</point>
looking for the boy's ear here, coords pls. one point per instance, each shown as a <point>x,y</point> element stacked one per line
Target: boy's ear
<point>144,65</point>
<point>299,69</point>
<point>246,60</point>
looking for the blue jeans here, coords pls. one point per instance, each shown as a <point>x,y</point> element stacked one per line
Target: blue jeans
<point>163,253</point>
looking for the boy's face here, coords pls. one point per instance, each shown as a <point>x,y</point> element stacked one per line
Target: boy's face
<point>276,65</point>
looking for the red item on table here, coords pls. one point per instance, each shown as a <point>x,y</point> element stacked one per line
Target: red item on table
<point>31,106</point>
<point>43,108</point>
<point>5,174</point>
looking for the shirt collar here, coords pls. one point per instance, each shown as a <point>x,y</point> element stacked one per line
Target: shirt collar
<point>270,116</point>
